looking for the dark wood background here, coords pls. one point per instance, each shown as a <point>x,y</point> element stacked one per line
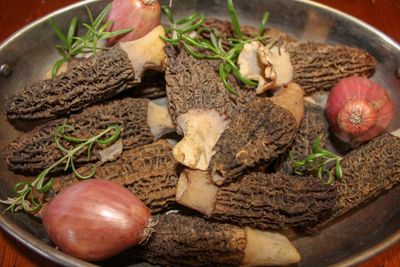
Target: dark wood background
<point>382,14</point>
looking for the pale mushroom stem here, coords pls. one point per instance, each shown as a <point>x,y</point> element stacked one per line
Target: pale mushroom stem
<point>143,58</point>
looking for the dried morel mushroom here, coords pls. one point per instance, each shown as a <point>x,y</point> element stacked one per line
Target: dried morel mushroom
<point>149,171</point>
<point>141,120</point>
<point>259,200</point>
<point>313,125</point>
<point>320,66</point>
<point>199,106</point>
<point>180,240</point>
<point>313,66</point>
<point>259,134</point>
<point>368,171</point>
<point>89,81</point>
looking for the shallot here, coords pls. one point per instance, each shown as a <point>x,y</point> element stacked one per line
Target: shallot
<point>140,15</point>
<point>96,219</point>
<point>358,109</point>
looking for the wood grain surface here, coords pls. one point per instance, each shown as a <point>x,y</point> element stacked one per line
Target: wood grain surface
<point>382,14</point>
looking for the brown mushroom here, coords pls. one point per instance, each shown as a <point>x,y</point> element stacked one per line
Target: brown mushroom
<point>259,200</point>
<point>368,171</point>
<point>313,66</point>
<point>320,66</point>
<point>141,120</point>
<point>89,81</point>
<point>260,133</point>
<point>150,172</point>
<point>199,106</point>
<point>180,240</point>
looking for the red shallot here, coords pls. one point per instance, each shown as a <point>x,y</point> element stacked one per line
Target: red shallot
<point>358,109</point>
<point>140,15</point>
<point>96,219</point>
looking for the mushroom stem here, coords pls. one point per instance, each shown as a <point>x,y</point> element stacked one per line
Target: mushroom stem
<point>196,191</point>
<point>159,120</point>
<point>290,97</point>
<point>265,248</point>
<point>201,129</point>
<point>143,58</point>
<point>396,133</point>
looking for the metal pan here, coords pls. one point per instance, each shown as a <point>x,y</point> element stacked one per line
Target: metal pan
<point>349,241</point>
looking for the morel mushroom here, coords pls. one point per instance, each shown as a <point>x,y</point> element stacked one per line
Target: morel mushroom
<point>141,120</point>
<point>313,66</point>
<point>259,200</point>
<point>150,172</point>
<point>259,134</point>
<point>89,81</point>
<point>180,240</point>
<point>313,125</point>
<point>368,171</point>
<point>199,106</point>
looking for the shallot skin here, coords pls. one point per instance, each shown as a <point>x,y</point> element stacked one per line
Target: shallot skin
<point>140,15</point>
<point>358,109</point>
<point>95,219</point>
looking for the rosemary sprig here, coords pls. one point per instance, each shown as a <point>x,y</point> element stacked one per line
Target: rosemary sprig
<point>28,192</point>
<point>72,45</point>
<point>181,32</point>
<point>318,163</point>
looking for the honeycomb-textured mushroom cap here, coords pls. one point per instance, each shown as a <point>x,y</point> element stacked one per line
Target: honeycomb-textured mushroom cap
<point>36,150</point>
<point>150,172</point>
<point>89,81</point>
<point>199,106</point>
<point>182,240</point>
<point>260,133</point>
<point>320,66</point>
<point>369,171</point>
<point>259,200</point>
<point>192,84</point>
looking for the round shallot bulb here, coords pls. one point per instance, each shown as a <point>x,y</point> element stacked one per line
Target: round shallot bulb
<point>95,219</point>
<point>141,16</point>
<point>358,109</point>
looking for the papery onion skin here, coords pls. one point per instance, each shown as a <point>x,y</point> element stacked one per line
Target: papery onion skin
<point>95,219</point>
<point>358,109</point>
<point>140,15</point>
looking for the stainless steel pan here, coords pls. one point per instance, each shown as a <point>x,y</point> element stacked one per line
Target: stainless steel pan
<point>351,240</point>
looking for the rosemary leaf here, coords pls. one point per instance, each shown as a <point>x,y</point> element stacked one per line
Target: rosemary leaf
<point>58,31</point>
<point>234,19</point>
<point>263,23</point>
<point>71,32</point>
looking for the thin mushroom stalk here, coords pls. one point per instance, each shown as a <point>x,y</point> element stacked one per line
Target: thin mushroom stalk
<point>180,240</point>
<point>89,81</point>
<point>141,120</point>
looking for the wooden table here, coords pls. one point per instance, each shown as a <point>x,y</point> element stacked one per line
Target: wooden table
<point>383,14</point>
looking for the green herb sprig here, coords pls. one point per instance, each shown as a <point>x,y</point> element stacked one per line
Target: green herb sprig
<point>213,49</point>
<point>318,163</point>
<point>27,192</point>
<point>72,45</point>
